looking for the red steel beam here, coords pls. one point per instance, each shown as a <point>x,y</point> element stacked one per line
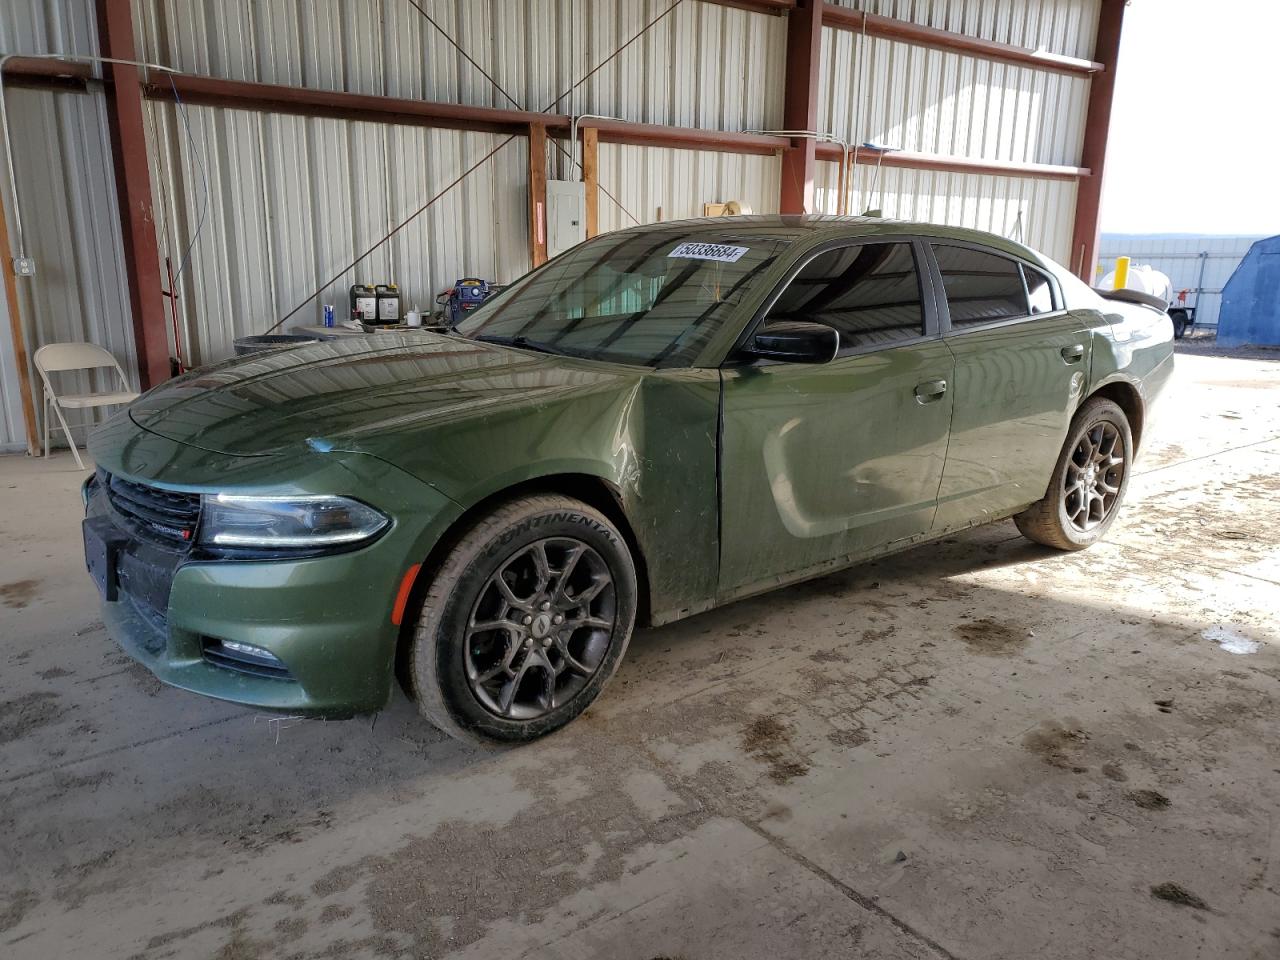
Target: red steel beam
<point>940,162</point>
<point>1093,154</point>
<point>800,105</point>
<point>43,73</point>
<point>276,98</point>
<point>890,28</point>
<point>133,190</point>
<point>758,6</point>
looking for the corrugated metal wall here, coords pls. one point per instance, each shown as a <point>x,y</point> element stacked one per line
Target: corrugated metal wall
<point>291,200</point>
<point>654,183</point>
<point>1035,212</point>
<point>1181,259</point>
<point>70,217</point>
<point>703,65</point>
<point>910,98</point>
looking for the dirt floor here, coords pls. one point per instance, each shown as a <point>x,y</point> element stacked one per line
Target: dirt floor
<point>978,749</point>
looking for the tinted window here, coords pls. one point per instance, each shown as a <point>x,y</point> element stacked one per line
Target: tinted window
<point>653,296</point>
<point>981,287</point>
<point>1039,290</point>
<point>869,292</point>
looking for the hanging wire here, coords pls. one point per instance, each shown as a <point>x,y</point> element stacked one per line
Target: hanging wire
<point>466,173</point>
<point>204,177</point>
<point>511,100</point>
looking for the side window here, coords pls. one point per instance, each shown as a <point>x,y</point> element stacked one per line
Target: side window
<point>1039,291</point>
<point>870,292</point>
<point>981,287</point>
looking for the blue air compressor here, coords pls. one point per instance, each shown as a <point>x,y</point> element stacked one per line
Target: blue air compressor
<point>464,296</point>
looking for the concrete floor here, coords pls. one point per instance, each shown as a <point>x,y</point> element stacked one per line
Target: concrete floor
<point>978,749</point>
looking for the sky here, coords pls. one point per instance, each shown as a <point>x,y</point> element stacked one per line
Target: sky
<point>1195,131</point>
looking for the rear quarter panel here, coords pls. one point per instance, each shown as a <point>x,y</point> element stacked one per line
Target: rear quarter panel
<point>1135,347</point>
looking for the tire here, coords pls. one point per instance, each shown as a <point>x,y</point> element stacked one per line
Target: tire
<point>522,672</point>
<point>1074,519</point>
<point>1179,326</point>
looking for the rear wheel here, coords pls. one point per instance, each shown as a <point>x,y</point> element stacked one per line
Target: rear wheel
<point>1088,483</point>
<point>526,620</point>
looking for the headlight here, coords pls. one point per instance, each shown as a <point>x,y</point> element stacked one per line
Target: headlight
<point>230,520</point>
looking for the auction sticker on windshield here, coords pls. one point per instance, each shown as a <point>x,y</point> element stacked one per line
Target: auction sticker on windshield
<point>709,251</point>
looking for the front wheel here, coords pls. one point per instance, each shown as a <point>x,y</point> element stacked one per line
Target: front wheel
<point>526,620</point>
<point>1088,483</point>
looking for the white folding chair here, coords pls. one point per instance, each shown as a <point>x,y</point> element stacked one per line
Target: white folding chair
<point>58,357</point>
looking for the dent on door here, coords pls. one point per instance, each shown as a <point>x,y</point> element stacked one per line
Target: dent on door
<point>826,463</point>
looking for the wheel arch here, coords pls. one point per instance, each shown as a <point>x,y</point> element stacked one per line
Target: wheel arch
<point>592,490</point>
<point>1125,396</point>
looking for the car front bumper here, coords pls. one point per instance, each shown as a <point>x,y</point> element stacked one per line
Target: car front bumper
<point>327,620</point>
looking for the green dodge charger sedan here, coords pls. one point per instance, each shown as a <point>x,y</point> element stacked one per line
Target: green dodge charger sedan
<point>656,422</point>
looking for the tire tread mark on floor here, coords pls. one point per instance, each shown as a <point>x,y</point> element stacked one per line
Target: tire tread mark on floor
<point>861,899</point>
<point>145,741</point>
<point>1206,456</point>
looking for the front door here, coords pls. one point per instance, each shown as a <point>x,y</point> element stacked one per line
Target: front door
<point>825,463</point>
<point>1021,364</point>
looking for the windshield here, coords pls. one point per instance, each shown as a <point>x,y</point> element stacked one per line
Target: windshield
<point>652,298</point>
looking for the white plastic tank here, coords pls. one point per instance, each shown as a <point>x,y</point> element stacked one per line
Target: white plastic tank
<point>1145,279</point>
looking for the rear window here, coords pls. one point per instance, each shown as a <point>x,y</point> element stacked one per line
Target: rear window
<point>1039,291</point>
<point>981,287</point>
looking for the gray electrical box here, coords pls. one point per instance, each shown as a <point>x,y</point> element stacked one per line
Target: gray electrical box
<point>24,266</point>
<point>566,215</point>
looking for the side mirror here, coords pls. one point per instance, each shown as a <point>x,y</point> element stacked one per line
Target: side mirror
<point>794,341</point>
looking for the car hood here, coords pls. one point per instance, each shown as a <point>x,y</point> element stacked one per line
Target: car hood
<point>334,394</point>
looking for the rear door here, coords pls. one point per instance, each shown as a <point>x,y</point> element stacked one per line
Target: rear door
<point>825,462</point>
<point>1021,364</point>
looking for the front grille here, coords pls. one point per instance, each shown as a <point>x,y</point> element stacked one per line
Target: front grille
<point>165,515</point>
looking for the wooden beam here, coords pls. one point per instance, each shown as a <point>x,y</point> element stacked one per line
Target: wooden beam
<point>591,178</point>
<point>537,194</point>
<point>19,341</point>
<point>133,191</point>
<point>941,162</point>
<point>800,105</point>
<point>890,28</point>
<point>1097,125</point>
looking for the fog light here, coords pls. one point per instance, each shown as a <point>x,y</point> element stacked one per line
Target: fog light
<point>249,650</point>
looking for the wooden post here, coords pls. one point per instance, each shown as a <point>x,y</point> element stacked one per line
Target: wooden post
<point>800,105</point>
<point>538,193</point>
<point>591,178</point>
<point>19,341</point>
<point>1097,125</point>
<point>133,191</point>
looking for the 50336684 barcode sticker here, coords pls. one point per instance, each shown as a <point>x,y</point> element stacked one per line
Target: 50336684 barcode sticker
<point>722,252</point>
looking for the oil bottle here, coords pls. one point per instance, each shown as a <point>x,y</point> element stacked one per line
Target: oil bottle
<point>388,296</point>
<point>364,302</point>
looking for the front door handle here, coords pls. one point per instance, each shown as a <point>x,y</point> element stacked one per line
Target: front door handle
<point>930,390</point>
<point>1073,353</point>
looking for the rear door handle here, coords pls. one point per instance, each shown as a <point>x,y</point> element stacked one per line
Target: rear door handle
<point>930,390</point>
<point>1073,353</point>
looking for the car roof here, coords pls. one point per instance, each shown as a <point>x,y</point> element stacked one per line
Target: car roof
<point>822,227</point>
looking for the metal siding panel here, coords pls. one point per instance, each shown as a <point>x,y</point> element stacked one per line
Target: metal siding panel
<point>681,181</point>
<point>1179,258</point>
<point>293,199</point>
<point>699,66</point>
<point>978,201</point>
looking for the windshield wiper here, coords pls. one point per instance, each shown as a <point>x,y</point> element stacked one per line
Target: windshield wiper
<point>523,343</point>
